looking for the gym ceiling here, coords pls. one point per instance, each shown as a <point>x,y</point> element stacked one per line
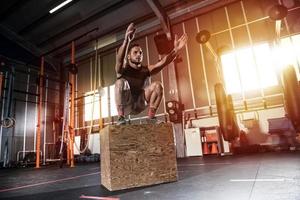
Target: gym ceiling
<point>28,30</point>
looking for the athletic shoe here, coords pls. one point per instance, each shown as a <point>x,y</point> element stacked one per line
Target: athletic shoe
<point>153,120</point>
<point>121,120</point>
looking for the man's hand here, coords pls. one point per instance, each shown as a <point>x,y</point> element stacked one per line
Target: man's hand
<point>130,32</point>
<point>179,43</point>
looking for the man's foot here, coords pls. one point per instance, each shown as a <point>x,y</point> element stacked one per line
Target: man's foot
<point>153,120</point>
<point>121,120</point>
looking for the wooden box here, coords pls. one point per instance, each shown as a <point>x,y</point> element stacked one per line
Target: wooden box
<point>137,155</point>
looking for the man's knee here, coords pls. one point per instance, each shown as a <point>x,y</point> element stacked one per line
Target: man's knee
<point>157,87</point>
<point>121,84</point>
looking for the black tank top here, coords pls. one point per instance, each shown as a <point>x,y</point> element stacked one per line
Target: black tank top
<point>137,78</point>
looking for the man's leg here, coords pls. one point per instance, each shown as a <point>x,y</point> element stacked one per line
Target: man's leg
<point>153,96</point>
<point>122,98</point>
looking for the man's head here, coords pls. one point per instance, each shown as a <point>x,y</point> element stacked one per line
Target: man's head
<point>135,55</point>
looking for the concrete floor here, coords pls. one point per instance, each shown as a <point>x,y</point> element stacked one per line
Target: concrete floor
<point>267,176</point>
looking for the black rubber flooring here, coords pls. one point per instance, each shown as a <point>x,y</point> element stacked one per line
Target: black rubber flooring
<point>267,176</point>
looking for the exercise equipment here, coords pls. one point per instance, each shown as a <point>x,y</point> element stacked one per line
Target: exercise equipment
<point>72,68</point>
<point>291,91</point>
<point>163,45</point>
<point>288,77</point>
<point>65,122</point>
<point>174,109</point>
<point>203,36</point>
<point>228,125</point>
<point>101,92</point>
<point>8,120</point>
<point>278,12</point>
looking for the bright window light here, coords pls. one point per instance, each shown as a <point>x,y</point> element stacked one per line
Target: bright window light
<point>91,111</point>
<point>231,75</point>
<point>88,108</point>
<point>296,46</point>
<point>60,6</point>
<point>284,54</point>
<point>249,77</point>
<point>239,67</point>
<point>290,52</point>
<point>113,108</point>
<point>246,73</point>
<point>267,72</point>
<point>104,103</point>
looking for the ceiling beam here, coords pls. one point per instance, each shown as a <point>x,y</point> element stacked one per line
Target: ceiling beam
<point>86,21</point>
<point>139,20</point>
<point>70,41</point>
<point>162,16</point>
<point>12,9</point>
<point>35,24</point>
<point>19,40</point>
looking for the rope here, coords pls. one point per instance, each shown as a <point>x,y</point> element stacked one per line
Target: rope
<point>65,118</point>
<point>99,92</point>
<point>90,130</point>
<point>8,122</point>
<point>93,102</point>
<point>217,60</point>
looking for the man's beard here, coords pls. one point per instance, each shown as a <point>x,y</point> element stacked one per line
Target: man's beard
<point>136,62</point>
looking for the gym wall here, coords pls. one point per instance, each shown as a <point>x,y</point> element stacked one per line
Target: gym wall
<point>236,26</point>
<point>24,102</point>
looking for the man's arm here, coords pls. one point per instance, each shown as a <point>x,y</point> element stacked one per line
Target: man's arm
<point>178,44</point>
<point>120,57</point>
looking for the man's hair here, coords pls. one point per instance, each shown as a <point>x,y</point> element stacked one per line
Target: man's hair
<point>131,46</point>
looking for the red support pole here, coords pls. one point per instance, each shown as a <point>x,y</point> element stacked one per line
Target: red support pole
<point>1,81</point>
<point>72,107</point>
<point>40,107</point>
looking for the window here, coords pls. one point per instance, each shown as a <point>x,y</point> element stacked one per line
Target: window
<point>92,111</point>
<point>113,108</point>
<point>231,75</point>
<point>290,52</point>
<point>257,67</point>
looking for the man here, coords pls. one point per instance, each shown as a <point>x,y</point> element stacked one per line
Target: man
<point>132,93</point>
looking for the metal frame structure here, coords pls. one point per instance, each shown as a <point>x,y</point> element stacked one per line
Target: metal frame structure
<point>39,115</point>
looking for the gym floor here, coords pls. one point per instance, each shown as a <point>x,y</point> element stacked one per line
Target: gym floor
<point>272,175</point>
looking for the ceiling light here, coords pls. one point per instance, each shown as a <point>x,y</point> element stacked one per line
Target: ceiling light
<point>60,6</point>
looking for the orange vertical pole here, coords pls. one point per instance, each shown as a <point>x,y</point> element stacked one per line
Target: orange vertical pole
<point>100,115</point>
<point>68,150</point>
<point>40,107</point>
<point>72,109</point>
<point>67,127</point>
<point>99,88</point>
<point>1,81</point>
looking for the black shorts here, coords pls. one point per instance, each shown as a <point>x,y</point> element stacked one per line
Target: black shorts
<point>134,103</point>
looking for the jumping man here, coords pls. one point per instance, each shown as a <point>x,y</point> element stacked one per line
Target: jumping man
<point>132,93</point>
